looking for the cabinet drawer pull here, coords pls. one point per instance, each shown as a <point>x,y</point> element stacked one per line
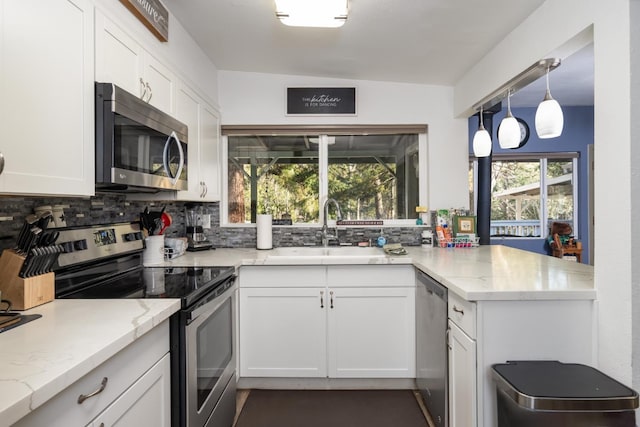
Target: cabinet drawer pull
<point>150,91</point>
<point>331,296</point>
<point>84,397</point>
<point>458,310</point>
<point>143,89</point>
<point>321,299</point>
<point>1,162</point>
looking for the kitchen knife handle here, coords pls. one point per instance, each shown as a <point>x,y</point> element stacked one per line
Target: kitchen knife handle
<point>84,397</point>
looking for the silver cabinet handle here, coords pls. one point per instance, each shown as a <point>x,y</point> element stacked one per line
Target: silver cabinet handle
<point>321,299</point>
<point>143,89</point>
<point>458,310</point>
<point>446,338</point>
<point>150,91</point>
<point>1,162</point>
<point>206,189</point>
<point>331,296</point>
<point>202,189</point>
<point>84,397</point>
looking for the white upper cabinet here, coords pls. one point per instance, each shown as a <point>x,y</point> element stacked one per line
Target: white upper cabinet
<point>204,146</point>
<point>124,62</point>
<point>47,97</point>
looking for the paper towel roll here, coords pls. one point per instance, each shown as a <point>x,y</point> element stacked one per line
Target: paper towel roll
<point>263,232</point>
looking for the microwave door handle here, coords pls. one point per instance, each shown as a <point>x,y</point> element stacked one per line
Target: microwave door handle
<point>165,158</point>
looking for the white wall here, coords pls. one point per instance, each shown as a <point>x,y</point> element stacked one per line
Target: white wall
<point>546,32</point>
<point>256,98</point>
<point>180,52</point>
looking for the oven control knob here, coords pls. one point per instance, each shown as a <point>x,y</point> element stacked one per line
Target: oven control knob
<point>67,247</point>
<point>139,235</point>
<point>129,237</point>
<point>80,245</point>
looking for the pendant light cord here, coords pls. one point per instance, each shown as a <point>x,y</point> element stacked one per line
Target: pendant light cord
<point>481,121</point>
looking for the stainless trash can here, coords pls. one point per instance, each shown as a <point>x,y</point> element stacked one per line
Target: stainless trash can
<point>555,394</point>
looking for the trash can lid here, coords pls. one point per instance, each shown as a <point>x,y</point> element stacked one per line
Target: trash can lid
<point>554,386</point>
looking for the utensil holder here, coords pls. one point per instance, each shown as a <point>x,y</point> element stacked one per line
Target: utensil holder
<point>23,293</point>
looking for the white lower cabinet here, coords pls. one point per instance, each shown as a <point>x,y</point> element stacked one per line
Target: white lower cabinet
<point>483,333</point>
<point>462,378</point>
<point>130,389</point>
<point>282,332</point>
<point>371,332</point>
<point>321,330</point>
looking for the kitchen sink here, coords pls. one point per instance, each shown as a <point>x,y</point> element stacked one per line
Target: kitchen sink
<point>346,254</point>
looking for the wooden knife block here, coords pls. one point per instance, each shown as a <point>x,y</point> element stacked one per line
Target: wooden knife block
<point>23,293</point>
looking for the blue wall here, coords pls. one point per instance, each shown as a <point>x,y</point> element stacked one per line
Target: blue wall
<point>576,136</point>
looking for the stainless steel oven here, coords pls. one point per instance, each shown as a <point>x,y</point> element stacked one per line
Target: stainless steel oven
<point>105,261</point>
<point>206,350</point>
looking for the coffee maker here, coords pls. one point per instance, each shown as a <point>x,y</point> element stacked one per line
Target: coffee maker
<point>197,240</point>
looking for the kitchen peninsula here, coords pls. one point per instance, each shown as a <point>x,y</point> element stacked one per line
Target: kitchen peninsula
<point>509,304</point>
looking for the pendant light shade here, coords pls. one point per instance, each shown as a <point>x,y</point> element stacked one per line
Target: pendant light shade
<point>509,129</point>
<point>549,117</point>
<point>481,140</point>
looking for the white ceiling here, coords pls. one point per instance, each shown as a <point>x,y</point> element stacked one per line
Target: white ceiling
<point>412,41</point>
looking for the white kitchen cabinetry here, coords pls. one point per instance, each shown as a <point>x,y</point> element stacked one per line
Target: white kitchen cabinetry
<point>462,377</point>
<point>482,333</point>
<point>136,391</point>
<point>204,145</point>
<point>47,103</point>
<point>282,332</point>
<point>335,321</point>
<point>124,62</point>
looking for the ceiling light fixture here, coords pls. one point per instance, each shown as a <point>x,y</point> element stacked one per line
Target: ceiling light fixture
<point>509,129</point>
<point>549,117</point>
<point>312,13</point>
<point>481,140</point>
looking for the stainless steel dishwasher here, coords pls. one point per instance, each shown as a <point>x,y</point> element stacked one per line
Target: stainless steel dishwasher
<point>431,358</point>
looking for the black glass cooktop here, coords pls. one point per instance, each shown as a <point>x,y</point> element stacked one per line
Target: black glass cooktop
<point>186,283</point>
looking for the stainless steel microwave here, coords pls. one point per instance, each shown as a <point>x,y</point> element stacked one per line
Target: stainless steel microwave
<point>138,147</point>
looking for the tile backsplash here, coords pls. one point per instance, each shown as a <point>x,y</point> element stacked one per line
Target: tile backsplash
<point>105,208</point>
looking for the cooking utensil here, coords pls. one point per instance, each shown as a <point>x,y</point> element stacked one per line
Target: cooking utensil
<point>166,220</point>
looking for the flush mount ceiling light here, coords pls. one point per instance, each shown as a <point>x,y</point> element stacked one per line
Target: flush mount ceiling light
<point>549,117</point>
<point>312,13</point>
<point>509,129</point>
<point>481,140</point>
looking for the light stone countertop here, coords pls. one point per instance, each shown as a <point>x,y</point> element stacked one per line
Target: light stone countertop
<point>493,272</point>
<point>43,357</point>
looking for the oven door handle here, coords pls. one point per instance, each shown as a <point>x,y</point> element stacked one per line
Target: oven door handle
<point>213,305</point>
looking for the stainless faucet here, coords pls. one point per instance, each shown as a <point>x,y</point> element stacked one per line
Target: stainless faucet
<point>325,230</point>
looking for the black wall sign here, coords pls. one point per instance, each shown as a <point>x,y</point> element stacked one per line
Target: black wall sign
<point>152,14</point>
<point>321,100</point>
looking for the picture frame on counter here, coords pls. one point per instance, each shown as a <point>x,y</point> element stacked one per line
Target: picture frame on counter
<point>464,225</point>
<point>320,101</point>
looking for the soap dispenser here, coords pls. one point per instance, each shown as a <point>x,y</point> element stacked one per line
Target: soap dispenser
<point>381,239</point>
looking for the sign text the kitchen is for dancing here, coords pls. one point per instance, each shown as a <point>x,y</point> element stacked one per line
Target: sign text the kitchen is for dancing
<point>321,100</point>
<point>152,14</point>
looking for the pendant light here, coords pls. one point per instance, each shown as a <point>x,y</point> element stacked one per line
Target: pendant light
<point>549,117</point>
<point>481,140</point>
<point>509,129</point>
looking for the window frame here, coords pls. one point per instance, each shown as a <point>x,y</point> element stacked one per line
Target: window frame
<point>543,158</point>
<point>324,132</point>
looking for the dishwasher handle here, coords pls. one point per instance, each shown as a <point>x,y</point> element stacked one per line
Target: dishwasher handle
<point>431,285</point>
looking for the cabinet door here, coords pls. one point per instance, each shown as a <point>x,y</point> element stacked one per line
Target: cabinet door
<point>188,112</point>
<point>209,164</point>
<point>146,403</point>
<point>159,82</point>
<point>371,332</point>
<point>47,97</point>
<point>462,378</point>
<point>119,59</point>
<point>283,332</point>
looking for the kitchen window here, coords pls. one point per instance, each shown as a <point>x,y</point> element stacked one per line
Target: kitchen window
<point>374,173</point>
<point>529,192</point>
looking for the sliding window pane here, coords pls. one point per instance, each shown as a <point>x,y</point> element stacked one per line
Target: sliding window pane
<point>374,177</point>
<point>515,198</point>
<point>275,175</point>
<point>560,190</point>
